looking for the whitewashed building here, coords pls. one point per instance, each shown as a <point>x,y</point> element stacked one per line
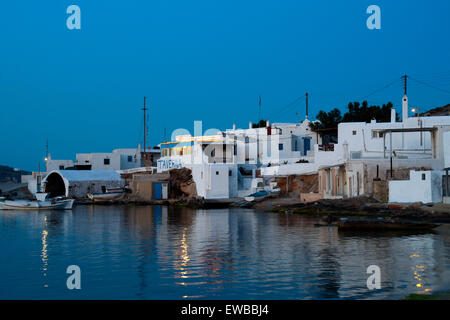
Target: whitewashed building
<point>231,163</point>
<point>118,159</point>
<point>78,183</point>
<point>368,151</point>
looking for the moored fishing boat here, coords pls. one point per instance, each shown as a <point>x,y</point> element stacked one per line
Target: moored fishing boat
<point>49,204</point>
<point>109,195</point>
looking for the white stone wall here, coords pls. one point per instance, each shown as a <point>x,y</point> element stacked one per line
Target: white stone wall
<point>423,186</point>
<point>363,140</point>
<point>118,159</point>
<point>59,164</point>
<point>446,144</point>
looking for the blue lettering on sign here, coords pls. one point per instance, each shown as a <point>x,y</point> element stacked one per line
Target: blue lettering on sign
<point>168,164</point>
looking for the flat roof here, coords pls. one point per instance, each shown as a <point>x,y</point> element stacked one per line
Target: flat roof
<point>408,130</point>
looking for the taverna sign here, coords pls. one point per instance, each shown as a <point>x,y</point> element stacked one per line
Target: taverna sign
<point>167,164</point>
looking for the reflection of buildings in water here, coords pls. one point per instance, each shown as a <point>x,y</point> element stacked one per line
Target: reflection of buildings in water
<point>183,258</point>
<point>54,224</point>
<point>181,217</point>
<point>327,261</point>
<point>441,255</point>
<point>406,261</point>
<point>44,253</point>
<point>328,274</point>
<point>142,225</point>
<point>140,220</point>
<point>427,261</point>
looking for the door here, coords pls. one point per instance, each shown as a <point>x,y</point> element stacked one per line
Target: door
<point>157,191</point>
<point>350,191</point>
<point>306,145</point>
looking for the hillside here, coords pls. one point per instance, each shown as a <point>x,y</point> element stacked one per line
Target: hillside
<point>8,174</point>
<point>441,111</point>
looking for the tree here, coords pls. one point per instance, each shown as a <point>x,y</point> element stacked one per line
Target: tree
<point>356,113</point>
<point>364,113</point>
<point>328,121</point>
<point>260,124</point>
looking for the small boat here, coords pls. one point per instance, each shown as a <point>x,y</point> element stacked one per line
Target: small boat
<point>48,204</point>
<point>382,224</point>
<point>257,196</point>
<point>108,195</point>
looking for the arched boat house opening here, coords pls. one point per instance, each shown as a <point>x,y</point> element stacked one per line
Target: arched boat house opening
<point>78,183</point>
<point>55,185</point>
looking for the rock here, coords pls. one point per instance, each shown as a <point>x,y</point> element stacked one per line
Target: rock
<point>189,188</point>
<point>181,183</point>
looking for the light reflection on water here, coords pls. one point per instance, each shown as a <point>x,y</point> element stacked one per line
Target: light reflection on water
<point>154,252</point>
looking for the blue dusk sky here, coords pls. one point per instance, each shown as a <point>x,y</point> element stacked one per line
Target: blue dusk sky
<point>203,60</point>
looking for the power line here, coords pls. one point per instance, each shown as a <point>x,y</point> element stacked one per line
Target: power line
<point>429,85</point>
<point>288,106</point>
<point>380,89</point>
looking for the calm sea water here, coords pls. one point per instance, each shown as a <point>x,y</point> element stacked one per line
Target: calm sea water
<point>155,252</point>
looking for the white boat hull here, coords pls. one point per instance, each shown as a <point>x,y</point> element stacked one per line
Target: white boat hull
<point>101,197</point>
<point>37,205</point>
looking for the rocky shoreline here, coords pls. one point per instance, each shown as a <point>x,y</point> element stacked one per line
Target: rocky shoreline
<point>359,207</point>
<point>354,207</point>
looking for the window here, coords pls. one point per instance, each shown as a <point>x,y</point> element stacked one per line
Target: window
<point>61,167</point>
<point>217,173</point>
<point>130,158</point>
<point>280,146</point>
<point>354,132</point>
<point>213,152</point>
<point>424,176</point>
<point>106,161</point>
<point>230,173</point>
<point>376,134</point>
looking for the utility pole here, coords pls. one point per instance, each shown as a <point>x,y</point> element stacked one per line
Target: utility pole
<point>307,105</point>
<point>298,118</point>
<point>145,125</point>
<point>259,110</point>
<point>405,84</point>
<point>46,155</point>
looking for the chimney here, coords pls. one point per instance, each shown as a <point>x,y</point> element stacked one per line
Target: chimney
<point>267,123</point>
<point>393,115</point>
<point>249,124</point>
<point>234,126</point>
<point>404,109</point>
